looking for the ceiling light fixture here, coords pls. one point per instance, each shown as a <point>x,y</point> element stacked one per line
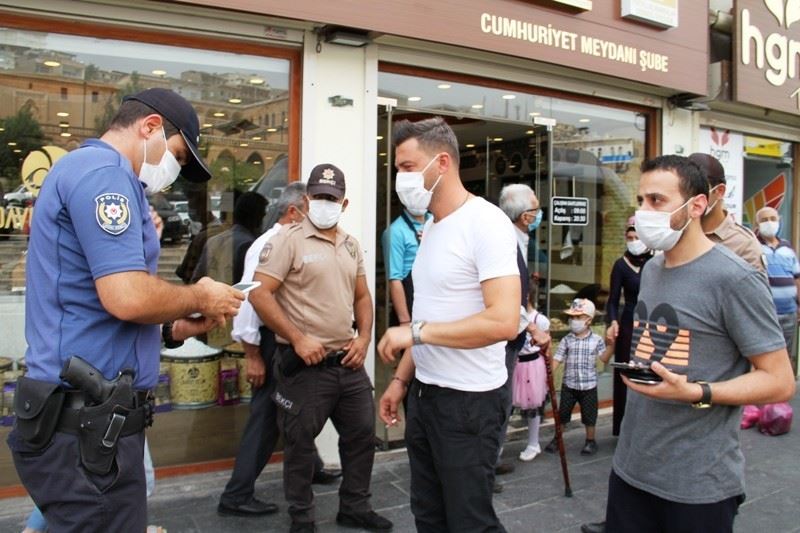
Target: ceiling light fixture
<point>219,114</point>
<point>414,98</point>
<point>443,86</point>
<point>159,72</point>
<point>344,36</point>
<point>52,63</point>
<point>62,114</point>
<point>234,100</point>
<point>477,106</point>
<point>256,81</point>
<point>509,96</point>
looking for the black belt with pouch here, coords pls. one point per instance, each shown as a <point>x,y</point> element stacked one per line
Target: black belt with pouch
<point>42,408</point>
<point>292,363</point>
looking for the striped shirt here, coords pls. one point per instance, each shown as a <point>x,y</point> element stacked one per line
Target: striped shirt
<point>580,359</point>
<point>782,269</point>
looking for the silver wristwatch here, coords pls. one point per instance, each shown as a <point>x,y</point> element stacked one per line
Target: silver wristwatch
<point>416,331</point>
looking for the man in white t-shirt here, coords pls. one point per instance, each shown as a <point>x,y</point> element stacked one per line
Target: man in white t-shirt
<point>466,307</point>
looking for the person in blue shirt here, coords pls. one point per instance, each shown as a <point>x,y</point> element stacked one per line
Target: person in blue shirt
<point>783,271</point>
<point>400,242</point>
<point>92,291</point>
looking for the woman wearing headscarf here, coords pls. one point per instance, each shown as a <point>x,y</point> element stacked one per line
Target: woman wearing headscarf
<point>625,277</point>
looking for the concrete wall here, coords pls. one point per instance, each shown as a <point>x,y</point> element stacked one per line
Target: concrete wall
<point>346,137</point>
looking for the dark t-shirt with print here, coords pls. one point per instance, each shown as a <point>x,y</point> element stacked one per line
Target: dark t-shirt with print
<point>702,319</point>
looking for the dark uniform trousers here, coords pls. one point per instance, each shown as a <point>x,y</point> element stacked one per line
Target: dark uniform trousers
<point>260,433</point>
<point>453,438</point>
<point>72,499</point>
<point>345,396</point>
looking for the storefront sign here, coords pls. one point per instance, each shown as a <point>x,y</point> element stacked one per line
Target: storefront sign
<point>767,47</point>
<point>569,211</point>
<point>598,40</point>
<point>37,165</point>
<point>662,13</point>
<point>728,148</point>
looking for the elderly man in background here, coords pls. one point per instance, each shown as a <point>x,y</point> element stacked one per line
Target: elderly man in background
<point>783,271</point>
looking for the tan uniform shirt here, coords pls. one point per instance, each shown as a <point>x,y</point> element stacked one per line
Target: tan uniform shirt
<point>740,241</point>
<point>318,280</point>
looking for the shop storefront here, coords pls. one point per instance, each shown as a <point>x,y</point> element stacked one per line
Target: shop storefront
<point>754,101</point>
<point>565,99</point>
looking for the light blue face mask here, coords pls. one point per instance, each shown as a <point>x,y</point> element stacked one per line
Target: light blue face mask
<point>536,221</point>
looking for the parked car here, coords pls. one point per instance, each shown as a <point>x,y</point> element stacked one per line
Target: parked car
<point>20,197</point>
<point>182,207</point>
<point>174,229</point>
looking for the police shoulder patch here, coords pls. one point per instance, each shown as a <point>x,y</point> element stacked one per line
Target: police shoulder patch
<point>112,212</point>
<point>264,255</point>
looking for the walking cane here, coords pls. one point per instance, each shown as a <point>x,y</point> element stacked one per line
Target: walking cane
<point>559,435</point>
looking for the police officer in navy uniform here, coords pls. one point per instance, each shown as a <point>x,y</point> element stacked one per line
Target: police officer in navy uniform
<point>92,292</point>
<point>313,286</point>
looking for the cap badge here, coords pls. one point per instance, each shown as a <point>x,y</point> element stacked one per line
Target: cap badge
<point>328,177</point>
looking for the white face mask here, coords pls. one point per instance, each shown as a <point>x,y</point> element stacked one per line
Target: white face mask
<point>159,177</point>
<point>324,214</point>
<point>711,207</point>
<point>768,228</point>
<point>410,187</point>
<point>577,325</point>
<point>655,230</point>
<point>417,212</point>
<point>636,247</point>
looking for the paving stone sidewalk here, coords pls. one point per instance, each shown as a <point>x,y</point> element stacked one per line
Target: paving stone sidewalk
<point>533,499</point>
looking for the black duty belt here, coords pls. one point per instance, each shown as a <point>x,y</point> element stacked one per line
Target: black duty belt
<point>136,420</point>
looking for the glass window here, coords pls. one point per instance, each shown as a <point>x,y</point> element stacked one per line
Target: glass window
<point>768,171</point>
<point>597,149</point>
<point>57,91</point>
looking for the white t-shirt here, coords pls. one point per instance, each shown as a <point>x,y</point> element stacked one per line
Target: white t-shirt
<point>247,322</point>
<point>473,244</point>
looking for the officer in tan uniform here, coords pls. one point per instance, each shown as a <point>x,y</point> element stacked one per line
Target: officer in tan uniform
<point>313,286</point>
<point>718,225</point>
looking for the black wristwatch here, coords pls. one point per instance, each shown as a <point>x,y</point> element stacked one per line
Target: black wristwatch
<point>166,336</point>
<point>705,399</point>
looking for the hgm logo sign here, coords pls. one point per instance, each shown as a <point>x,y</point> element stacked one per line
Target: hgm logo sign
<point>768,47</point>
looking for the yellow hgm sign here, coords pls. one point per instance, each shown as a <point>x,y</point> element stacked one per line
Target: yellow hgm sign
<point>37,165</point>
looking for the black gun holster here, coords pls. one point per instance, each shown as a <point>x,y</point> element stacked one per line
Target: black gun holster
<point>100,427</point>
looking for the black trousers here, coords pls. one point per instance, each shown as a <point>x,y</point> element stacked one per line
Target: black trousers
<point>631,510</point>
<point>587,400</point>
<point>512,351</point>
<point>72,499</point>
<point>453,438</point>
<point>317,394</point>
<point>259,436</point>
